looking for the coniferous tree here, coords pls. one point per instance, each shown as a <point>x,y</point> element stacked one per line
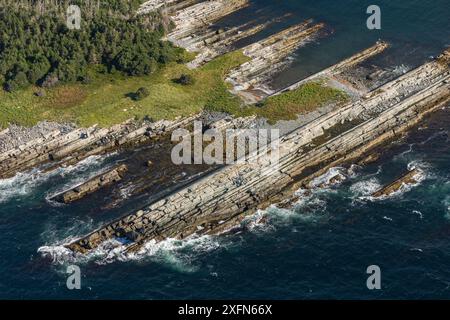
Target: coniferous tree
<point>36,47</point>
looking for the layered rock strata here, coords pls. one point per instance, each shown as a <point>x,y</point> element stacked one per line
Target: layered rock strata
<point>217,42</point>
<point>58,148</point>
<point>217,202</point>
<point>92,185</point>
<point>268,56</point>
<point>338,68</point>
<point>409,178</point>
<point>191,19</point>
<point>170,5</point>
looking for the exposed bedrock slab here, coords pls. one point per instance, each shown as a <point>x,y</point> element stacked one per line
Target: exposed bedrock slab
<point>409,178</point>
<point>60,148</point>
<point>92,185</point>
<point>189,20</point>
<point>269,56</point>
<point>358,58</point>
<point>170,5</point>
<point>219,200</point>
<point>210,46</point>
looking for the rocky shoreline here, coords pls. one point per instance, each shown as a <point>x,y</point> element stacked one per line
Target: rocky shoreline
<point>221,196</point>
<point>219,201</point>
<point>15,136</point>
<point>92,185</point>
<point>60,148</point>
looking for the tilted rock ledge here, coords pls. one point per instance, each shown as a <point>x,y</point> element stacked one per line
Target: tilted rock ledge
<point>59,147</point>
<point>92,185</point>
<point>220,200</point>
<point>408,178</point>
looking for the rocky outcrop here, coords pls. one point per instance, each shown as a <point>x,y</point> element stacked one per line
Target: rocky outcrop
<point>217,42</point>
<point>15,136</point>
<point>201,15</point>
<point>194,30</point>
<point>138,178</point>
<point>411,177</point>
<point>219,200</point>
<point>58,148</point>
<point>154,5</point>
<point>92,185</point>
<point>268,56</point>
<point>334,70</point>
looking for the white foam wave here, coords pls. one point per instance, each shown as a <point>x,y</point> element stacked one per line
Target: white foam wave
<point>56,237</point>
<point>418,213</point>
<point>195,243</point>
<point>259,222</point>
<point>24,183</point>
<point>365,187</point>
<point>58,254</point>
<point>180,255</point>
<point>21,184</point>
<point>333,176</point>
<point>309,203</point>
<point>419,164</point>
<point>309,207</point>
<point>363,190</point>
<point>177,254</point>
<point>77,174</point>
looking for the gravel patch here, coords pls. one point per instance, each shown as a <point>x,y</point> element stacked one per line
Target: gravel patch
<point>15,136</point>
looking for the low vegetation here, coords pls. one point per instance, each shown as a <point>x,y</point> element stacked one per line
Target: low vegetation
<point>116,67</point>
<point>185,80</point>
<point>112,98</point>
<point>107,98</point>
<point>141,93</point>
<point>288,105</point>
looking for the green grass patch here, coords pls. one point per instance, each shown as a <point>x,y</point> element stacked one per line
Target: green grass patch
<point>107,99</point>
<point>288,105</point>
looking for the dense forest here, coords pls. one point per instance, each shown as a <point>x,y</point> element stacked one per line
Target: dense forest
<point>37,47</point>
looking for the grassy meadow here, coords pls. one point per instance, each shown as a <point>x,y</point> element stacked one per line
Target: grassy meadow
<point>106,99</point>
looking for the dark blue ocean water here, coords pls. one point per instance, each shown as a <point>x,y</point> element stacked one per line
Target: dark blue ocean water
<point>319,249</point>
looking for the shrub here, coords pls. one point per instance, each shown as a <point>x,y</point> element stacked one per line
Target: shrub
<point>20,80</point>
<point>141,93</point>
<point>186,80</point>
<point>50,81</point>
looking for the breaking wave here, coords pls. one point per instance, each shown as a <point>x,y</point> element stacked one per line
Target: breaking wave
<point>331,177</point>
<point>177,254</point>
<point>365,188</point>
<point>21,184</point>
<point>417,212</point>
<point>77,174</point>
<point>24,183</point>
<point>362,190</point>
<point>53,234</point>
<point>310,206</point>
